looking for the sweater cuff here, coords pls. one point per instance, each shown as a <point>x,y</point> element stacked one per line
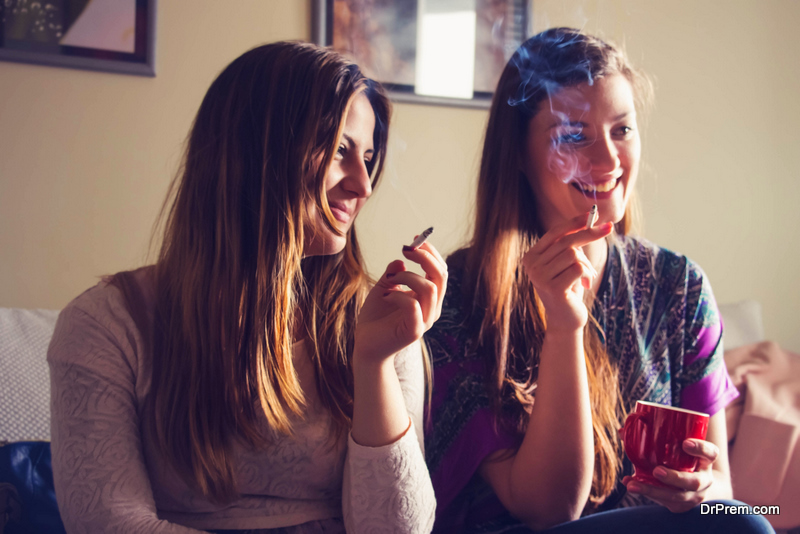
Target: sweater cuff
<point>407,439</point>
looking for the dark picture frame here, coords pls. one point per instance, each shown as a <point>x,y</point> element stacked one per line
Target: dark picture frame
<point>382,37</point>
<point>38,32</point>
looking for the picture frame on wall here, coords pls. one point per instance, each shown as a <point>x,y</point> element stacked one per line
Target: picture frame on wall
<point>103,35</point>
<point>445,52</point>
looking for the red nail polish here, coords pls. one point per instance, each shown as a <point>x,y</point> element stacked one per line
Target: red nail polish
<point>389,275</point>
<point>387,293</point>
<point>406,248</point>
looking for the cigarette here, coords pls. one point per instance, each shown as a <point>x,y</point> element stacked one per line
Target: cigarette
<point>421,239</point>
<point>592,217</point>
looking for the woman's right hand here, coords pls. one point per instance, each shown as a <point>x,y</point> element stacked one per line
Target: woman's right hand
<point>392,318</point>
<point>559,271</point>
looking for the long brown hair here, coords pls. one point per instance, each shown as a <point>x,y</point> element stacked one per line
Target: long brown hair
<point>231,277</point>
<point>506,225</point>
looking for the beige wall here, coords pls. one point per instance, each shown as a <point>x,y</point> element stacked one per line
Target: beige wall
<point>85,158</point>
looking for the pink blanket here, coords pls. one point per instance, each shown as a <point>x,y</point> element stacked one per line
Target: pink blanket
<point>764,427</point>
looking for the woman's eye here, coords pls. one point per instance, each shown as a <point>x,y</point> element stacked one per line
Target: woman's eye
<point>624,130</point>
<point>570,138</point>
<point>341,150</point>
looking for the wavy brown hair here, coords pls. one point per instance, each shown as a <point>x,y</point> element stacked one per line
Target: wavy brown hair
<point>506,225</point>
<point>231,278</point>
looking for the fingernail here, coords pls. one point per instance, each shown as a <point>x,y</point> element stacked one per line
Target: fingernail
<point>660,472</point>
<point>389,275</point>
<point>387,293</point>
<point>633,486</point>
<point>406,248</point>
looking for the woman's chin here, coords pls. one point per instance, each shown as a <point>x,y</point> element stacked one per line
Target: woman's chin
<point>612,211</point>
<point>330,246</point>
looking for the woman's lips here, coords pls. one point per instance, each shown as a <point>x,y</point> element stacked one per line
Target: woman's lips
<point>340,213</point>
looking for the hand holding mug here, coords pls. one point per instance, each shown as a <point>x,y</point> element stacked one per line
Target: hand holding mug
<point>672,461</point>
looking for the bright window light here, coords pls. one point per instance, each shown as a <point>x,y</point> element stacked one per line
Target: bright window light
<point>445,48</point>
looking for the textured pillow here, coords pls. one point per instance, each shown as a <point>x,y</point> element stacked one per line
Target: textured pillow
<point>24,376</point>
<point>741,323</point>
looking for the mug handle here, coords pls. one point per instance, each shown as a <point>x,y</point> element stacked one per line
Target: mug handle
<point>632,419</point>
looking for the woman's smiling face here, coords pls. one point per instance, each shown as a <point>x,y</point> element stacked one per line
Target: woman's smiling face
<point>583,148</point>
<point>347,182</point>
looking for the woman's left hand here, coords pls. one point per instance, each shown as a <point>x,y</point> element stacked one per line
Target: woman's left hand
<point>687,489</point>
<point>392,318</point>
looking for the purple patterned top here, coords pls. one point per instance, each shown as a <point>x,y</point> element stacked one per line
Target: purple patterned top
<point>660,323</point>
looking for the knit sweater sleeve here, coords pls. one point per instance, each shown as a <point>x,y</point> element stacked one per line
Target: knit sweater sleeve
<point>99,471</point>
<point>388,489</point>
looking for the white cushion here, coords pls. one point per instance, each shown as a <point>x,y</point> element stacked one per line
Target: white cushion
<point>742,323</point>
<point>24,376</point>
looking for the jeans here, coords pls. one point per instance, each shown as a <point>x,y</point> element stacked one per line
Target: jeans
<point>657,520</point>
<point>324,526</point>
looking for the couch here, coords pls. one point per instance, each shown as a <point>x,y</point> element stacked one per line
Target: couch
<point>25,395</point>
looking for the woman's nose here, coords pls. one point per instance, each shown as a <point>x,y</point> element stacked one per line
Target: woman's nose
<point>604,154</point>
<point>359,181</point>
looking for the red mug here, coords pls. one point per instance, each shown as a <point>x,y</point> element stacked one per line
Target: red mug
<point>653,435</point>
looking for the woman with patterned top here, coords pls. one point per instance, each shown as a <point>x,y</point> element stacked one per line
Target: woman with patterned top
<point>555,324</point>
<point>251,380</point>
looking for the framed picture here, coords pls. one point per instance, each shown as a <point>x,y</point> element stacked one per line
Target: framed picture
<point>105,35</point>
<point>448,52</point>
